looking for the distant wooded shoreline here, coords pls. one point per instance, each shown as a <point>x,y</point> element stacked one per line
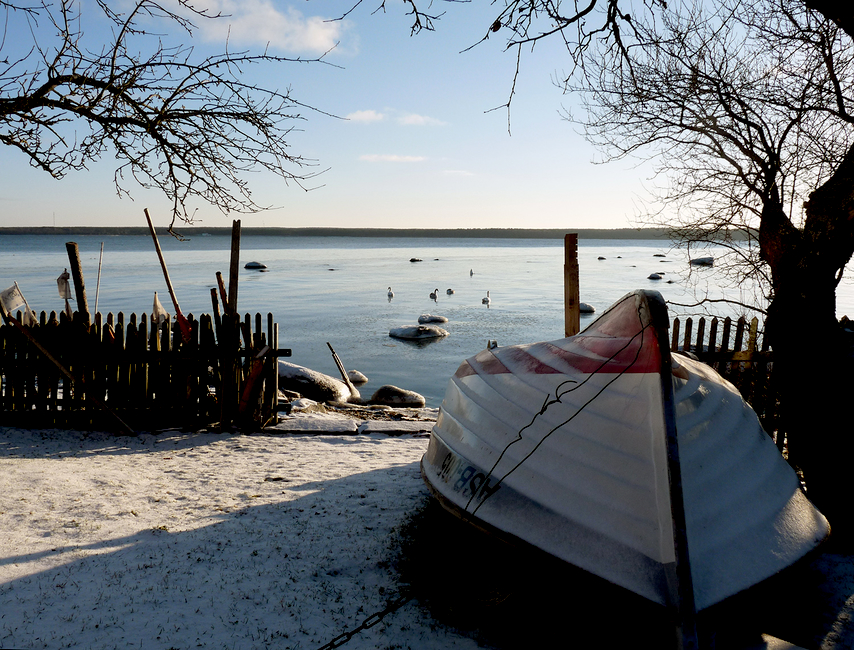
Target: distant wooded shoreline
<point>426,233</point>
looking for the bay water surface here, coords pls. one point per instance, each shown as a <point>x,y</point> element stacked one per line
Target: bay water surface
<point>334,289</point>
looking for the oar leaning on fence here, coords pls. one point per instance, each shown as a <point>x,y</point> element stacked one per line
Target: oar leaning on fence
<point>183,323</point>
<point>11,320</point>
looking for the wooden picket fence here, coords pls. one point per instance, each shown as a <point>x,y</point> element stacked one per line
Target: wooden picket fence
<point>131,374</point>
<point>739,352</point>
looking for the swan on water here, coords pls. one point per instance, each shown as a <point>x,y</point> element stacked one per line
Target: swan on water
<point>450,292</point>
<point>434,295</point>
<point>390,293</point>
<point>486,300</point>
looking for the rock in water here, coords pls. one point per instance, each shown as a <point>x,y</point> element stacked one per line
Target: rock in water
<point>394,396</point>
<point>312,384</point>
<point>431,318</point>
<point>416,332</point>
<point>703,261</point>
<point>357,377</point>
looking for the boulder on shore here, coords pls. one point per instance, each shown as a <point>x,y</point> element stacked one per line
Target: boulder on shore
<point>394,396</point>
<point>312,384</point>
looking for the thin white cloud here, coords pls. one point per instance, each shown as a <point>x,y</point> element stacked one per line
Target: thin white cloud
<point>260,22</point>
<point>366,116</point>
<point>391,158</point>
<point>413,119</point>
<point>458,172</point>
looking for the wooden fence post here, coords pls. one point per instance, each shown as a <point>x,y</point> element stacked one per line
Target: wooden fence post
<point>234,267</point>
<point>572,313</point>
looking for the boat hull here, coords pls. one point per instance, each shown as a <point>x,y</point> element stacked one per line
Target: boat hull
<point>605,451</point>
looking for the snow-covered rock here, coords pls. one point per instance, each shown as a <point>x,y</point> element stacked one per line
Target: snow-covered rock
<point>431,318</point>
<point>312,384</point>
<point>703,261</point>
<point>357,377</point>
<point>394,396</point>
<point>417,332</point>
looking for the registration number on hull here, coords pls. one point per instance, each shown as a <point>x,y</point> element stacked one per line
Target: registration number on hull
<point>458,473</point>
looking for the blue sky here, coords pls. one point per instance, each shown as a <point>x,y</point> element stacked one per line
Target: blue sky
<point>413,143</point>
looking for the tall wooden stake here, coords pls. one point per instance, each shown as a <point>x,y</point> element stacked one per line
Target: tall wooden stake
<point>234,267</point>
<point>183,323</point>
<point>229,342</point>
<point>572,313</point>
<point>77,275</point>
<point>98,283</point>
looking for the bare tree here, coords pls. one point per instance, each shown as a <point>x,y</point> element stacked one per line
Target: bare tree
<point>186,125</point>
<point>746,109</point>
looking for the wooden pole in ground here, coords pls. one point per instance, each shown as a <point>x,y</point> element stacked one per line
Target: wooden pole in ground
<point>223,294</point>
<point>229,341</point>
<point>234,267</point>
<point>77,274</point>
<point>183,323</point>
<point>354,394</point>
<point>572,313</point>
<point>98,283</point>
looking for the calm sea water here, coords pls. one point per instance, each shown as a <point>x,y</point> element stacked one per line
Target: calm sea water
<point>333,289</point>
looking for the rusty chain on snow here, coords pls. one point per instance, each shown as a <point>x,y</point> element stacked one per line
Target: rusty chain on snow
<point>369,622</point>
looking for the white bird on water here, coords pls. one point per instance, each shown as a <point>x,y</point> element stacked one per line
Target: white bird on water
<point>435,294</point>
<point>390,293</point>
<point>486,300</point>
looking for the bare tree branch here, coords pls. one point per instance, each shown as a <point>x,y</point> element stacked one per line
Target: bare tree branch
<point>190,127</point>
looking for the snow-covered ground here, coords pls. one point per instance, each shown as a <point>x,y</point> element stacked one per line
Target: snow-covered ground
<point>282,539</point>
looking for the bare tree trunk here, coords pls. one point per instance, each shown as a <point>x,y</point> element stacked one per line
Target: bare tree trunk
<point>813,360</point>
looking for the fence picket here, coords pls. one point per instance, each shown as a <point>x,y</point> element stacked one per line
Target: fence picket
<point>674,341</point>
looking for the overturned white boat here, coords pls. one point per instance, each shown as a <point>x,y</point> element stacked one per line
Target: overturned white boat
<point>603,450</point>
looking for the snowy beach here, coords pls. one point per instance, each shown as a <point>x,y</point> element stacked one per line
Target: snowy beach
<point>291,538</point>
<point>205,540</point>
